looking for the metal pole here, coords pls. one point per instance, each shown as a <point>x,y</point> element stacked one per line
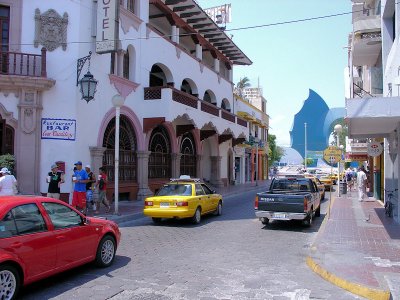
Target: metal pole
<point>256,162</point>
<point>338,181</point>
<point>305,146</point>
<point>116,155</point>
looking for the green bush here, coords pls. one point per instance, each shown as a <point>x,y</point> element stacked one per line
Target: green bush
<point>7,161</point>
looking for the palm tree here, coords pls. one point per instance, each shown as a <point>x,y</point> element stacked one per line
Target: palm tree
<point>242,84</point>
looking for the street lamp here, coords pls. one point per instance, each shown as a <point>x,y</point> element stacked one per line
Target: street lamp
<point>256,141</point>
<point>117,101</point>
<point>338,129</point>
<point>87,83</point>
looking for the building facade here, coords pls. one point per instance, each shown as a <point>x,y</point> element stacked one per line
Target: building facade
<point>170,63</point>
<point>373,96</point>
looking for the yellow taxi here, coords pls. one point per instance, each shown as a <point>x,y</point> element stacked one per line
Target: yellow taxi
<point>183,197</point>
<point>327,181</point>
<point>320,185</point>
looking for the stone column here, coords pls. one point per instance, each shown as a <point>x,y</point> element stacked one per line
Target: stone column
<point>216,65</point>
<point>119,63</point>
<point>173,33</point>
<point>199,51</point>
<point>177,35</point>
<point>176,165</point>
<point>216,171</point>
<point>143,175</point>
<point>199,166</point>
<point>28,142</point>
<point>96,161</point>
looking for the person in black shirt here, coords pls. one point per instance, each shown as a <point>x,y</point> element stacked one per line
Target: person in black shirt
<point>54,178</point>
<point>89,187</point>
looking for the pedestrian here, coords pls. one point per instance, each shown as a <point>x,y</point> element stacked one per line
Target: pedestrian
<point>102,187</point>
<point>54,178</point>
<point>362,184</point>
<point>90,185</point>
<point>349,179</point>
<point>80,178</point>
<point>8,183</point>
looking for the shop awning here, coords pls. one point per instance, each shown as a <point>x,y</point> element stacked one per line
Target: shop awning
<point>245,115</point>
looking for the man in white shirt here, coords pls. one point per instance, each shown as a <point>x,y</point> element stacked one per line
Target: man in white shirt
<point>362,184</point>
<point>8,183</point>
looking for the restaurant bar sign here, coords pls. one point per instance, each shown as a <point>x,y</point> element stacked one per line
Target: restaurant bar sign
<point>107,25</point>
<point>58,129</point>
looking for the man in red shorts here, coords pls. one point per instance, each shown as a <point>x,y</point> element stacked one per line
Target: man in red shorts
<point>80,178</point>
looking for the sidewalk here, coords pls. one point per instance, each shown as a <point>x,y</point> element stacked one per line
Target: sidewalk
<point>132,209</point>
<point>358,248</point>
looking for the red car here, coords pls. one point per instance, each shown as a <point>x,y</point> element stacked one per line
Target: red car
<point>41,236</point>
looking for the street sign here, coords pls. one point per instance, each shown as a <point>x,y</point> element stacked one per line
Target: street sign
<point>332,154</point>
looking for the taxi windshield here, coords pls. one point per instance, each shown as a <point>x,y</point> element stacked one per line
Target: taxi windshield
<point>177,189</point>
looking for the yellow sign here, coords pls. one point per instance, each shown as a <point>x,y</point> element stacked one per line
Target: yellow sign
<point>332,154</point>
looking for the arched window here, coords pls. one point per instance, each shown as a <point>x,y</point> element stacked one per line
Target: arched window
<point>188,156</point>
<point>210,97</point>
<point>6,138</point>
<point>225,105</point>
<point>127,150</point>
<point>126,65</point>
<point>185,87</point>
<point>157,77</point>
<point>160,156</point>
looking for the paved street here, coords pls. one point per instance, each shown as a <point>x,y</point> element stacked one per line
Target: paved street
<point>228,257</point>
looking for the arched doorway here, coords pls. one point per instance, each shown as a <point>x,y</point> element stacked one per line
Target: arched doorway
<point>6,138</point>
<point>127,153</point>
<point>160,156</point>
<point>188,164</point>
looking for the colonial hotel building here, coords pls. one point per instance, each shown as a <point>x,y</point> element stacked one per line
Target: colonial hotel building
<point>167,63</point>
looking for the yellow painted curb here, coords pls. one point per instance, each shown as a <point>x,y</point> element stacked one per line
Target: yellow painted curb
<point>358,289</point>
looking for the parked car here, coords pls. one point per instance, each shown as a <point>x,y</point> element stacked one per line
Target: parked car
<point>320,185</point>
<point>289,199</point>
<point>42,236</point>
<point>327,181</point>
<point>184,197</point>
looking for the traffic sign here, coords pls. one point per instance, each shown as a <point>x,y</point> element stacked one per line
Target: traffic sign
<point>332,154</point>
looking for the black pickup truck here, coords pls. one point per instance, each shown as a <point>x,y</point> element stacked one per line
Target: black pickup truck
<point>289,198</point>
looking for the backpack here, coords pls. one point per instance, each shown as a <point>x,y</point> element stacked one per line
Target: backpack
<point>101,184</point>
<point>348,176</point>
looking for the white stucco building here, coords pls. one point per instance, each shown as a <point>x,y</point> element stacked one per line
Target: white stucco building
<point>373,102</point>
<point>168,60</point>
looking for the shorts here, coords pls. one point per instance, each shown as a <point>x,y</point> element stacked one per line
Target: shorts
<point>89,196</point>
<point>54,195</point>
<point>79,200</point>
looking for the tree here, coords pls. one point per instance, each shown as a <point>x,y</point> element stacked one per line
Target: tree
<point>275,152</point>
<point>242,84</point>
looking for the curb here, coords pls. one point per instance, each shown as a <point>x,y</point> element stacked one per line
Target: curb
<point>358,289</point>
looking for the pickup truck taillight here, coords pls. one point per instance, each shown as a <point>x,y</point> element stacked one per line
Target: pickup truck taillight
<point>305,204</point>
<point>256,203</point>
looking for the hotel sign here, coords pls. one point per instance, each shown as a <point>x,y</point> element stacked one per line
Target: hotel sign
<point>107,26</point>
<point>58,129</point>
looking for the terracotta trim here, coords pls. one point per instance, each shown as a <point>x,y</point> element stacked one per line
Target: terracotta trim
<point>123,86</point>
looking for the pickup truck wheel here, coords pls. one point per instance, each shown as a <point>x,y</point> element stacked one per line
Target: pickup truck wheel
<point>197,216</point>
<point>265,221</point>
<point>308,221</point>
<point>318,211</point>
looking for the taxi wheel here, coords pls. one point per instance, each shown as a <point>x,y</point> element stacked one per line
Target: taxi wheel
<point>9,282</point>
<point>156,220</point>
<point>197,216</point>
<point>218,210</point>
<point>106,252</point>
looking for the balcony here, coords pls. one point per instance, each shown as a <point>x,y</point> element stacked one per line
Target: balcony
<point>19,70</point>
<point>372,117</point>
<point>175,104</point>
<point>367,40</point>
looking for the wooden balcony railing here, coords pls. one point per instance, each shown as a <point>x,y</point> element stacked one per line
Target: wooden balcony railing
<point>154,93</point>
<point>227,116</point>
<point>23,64</point>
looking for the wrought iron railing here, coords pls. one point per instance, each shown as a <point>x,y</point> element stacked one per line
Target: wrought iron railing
<point>23,64</point>
<point>127,165</point>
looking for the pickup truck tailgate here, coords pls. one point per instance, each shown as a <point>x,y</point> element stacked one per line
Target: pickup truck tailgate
<point>281,203</point>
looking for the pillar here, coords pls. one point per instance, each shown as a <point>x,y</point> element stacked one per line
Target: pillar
<point>216,171</point>
<point>173,34</point>
<point>143,175</point>
<point>199,166</point>
<point>199,52</point>
<point>96,161</point>
<point>216,65</point>
<point>176,165</point>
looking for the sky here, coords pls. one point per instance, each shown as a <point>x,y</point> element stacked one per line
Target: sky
<point>290,59</point>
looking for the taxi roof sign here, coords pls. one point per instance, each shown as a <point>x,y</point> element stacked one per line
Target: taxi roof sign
<point>332,154</point>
